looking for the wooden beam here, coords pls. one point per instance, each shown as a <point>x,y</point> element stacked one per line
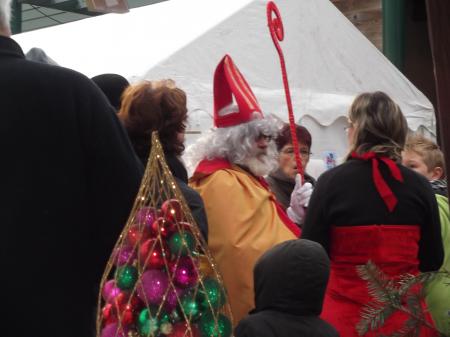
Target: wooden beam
<point>439,27</point>
<point>366,16</point>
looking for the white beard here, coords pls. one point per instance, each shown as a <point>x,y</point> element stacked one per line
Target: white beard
<point>261,162</point>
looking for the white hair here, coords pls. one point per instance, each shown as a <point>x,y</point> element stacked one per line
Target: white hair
<point>237,144</point>
<point>5,14</point>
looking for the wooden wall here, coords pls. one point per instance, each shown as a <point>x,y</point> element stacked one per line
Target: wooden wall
<point>366,15</point>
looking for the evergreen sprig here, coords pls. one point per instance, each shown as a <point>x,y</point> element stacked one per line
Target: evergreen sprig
<point>380,286</point>
<point>408,281</point>
<point>389,296</point>
<point>373,318</point>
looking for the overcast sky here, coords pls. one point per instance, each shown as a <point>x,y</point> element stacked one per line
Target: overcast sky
<point>129,44</point>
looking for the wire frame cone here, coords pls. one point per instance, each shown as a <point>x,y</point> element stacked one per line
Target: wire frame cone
<point>161,279</point>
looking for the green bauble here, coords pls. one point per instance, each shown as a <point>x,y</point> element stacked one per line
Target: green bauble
<point>126,277</point>
<point>147,325</point>
<point>182,243</point>
<point>164,317</point>
<point>208,327</point>
<point>190,306</point>
<point>213,296</point>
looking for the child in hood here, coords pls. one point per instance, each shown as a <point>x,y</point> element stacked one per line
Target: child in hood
<point>290,281</point>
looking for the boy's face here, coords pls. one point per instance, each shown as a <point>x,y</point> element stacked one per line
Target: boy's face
<point>415,162</point>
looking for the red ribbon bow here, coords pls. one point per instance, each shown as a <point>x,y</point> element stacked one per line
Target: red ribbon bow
<point>382,187</point>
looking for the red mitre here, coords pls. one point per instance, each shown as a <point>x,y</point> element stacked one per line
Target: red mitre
<point>229,83</point>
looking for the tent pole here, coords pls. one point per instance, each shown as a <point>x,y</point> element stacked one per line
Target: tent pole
<point>438,27</point>
<point>394,31</point>
<point>16,17</point>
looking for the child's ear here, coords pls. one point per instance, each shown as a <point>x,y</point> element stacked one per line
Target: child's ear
<point>437,173</point>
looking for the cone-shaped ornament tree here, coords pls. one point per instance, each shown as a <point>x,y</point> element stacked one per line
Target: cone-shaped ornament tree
<point>161,279</point>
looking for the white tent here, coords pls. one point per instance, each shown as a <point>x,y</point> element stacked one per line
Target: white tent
<point>328,60</point>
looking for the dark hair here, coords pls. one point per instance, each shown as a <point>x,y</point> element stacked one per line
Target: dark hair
<point>284,136</point>
<point>112,85</point>
<point>379,125</point>
<point>154,106</point>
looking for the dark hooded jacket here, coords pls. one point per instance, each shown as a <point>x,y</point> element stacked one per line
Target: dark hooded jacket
<point>290,281</point>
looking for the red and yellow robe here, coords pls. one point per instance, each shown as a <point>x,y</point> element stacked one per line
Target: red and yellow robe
<point>244,221</point>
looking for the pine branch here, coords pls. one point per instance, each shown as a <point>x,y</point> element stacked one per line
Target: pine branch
<point>379,285</point>
<point>410,329</point>
<point>373,317</point>
<point>419,318</point>
<point>407,281</point>
<point>388,299</point>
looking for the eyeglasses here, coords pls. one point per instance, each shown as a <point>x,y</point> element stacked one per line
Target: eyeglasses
<point>290,152</point>
<point>267,138</point>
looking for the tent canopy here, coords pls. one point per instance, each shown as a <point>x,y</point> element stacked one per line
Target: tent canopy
<point>329,61</point>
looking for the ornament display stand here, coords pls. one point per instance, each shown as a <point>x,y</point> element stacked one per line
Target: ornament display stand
<point>161,280</point>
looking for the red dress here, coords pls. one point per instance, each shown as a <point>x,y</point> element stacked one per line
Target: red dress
<point>393,249</point>
<point>369,208</point>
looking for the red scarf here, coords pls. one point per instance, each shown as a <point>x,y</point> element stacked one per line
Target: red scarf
<point>207,167</point>
<point>382,187</point>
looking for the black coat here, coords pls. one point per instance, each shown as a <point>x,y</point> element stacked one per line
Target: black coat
<point>68,180</point>
<point>290,281</point>
<point>346,196</point>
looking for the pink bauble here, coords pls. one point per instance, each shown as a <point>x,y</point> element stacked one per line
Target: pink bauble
<point>114,330</point>
<point>146,216</point>
<point>184,272</point>
<point>172,299</point>
<point>110,291</point>
<point>124,255</point>
<point>152,286</point>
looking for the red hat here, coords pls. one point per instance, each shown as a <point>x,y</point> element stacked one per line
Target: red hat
<point>229,82</point>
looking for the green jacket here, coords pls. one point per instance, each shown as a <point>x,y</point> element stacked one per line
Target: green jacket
<point>438,290</point>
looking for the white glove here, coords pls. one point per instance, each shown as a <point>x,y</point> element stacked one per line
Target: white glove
<point>299,200</point>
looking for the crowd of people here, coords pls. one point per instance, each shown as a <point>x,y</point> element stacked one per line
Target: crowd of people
<point>287,246</point>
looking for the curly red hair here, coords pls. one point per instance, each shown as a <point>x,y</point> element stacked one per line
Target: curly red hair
<point>154,106</point>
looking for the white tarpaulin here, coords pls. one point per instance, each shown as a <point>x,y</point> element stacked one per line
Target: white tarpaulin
<point>328,60</point>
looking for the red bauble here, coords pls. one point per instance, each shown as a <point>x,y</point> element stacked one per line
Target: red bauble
<point>172,210</point>
<point>124,308</point>
<point>163,226</point>
<point>123,300</point>
<point>181,330</point>
<point>108,314</point>
<point>185,226</point>
<point>127,315</point>
<point>137,234</point>
<point>152,255</point>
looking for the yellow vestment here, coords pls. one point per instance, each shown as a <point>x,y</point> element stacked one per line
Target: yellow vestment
<point>243,223</point>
